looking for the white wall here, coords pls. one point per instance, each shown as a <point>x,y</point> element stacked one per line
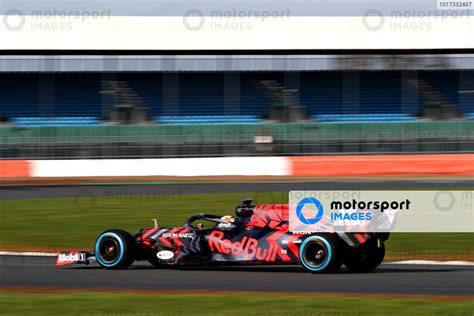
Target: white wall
<point>222,166</point>
<point>298,32</point>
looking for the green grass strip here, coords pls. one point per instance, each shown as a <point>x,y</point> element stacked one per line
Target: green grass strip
<point>97,303</point>
<point>74,223</point>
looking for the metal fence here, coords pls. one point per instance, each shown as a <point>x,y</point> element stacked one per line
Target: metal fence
<point>244,144</point>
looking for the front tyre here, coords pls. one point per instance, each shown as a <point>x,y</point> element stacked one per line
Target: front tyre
<point>320,254</point>
<point>115,249</point>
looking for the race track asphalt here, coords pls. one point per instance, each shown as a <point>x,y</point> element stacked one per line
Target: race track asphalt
<point>40,272</point>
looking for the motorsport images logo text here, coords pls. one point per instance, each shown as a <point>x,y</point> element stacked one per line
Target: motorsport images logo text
<point>348,210</point>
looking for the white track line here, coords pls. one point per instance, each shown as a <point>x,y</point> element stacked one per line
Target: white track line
<point>27,254</point>
<point>412,262</point>
<point>433,262</point>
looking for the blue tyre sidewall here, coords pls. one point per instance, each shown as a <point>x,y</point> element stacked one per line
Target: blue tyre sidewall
<point>122,249</point>
<point>328,246</point>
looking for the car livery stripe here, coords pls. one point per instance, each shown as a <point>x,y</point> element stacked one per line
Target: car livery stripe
<point>176,240</point>
<point>272,240</point>
<point>165,240</point>
<point>148,233</point>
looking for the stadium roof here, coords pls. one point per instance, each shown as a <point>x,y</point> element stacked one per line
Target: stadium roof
<point>159,63</point>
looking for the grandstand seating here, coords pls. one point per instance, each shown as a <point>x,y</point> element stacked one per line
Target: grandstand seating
<point>364,118</point>
<point>225,98</point>
<point>208,119</point>
<point>55,121</point>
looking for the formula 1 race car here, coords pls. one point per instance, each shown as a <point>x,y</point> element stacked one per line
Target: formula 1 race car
<point>257,235</point>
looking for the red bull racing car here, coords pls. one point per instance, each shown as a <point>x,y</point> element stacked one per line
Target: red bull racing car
<point>258,234</point>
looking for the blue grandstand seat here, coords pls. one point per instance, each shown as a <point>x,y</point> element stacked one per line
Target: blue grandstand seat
<point>213,98</point>
<point>470,116</point>
<point>208,119</point>
<point>364,118</point>
<point>55,121</point>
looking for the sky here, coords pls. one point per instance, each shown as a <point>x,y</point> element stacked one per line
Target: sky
<point>180,7</point>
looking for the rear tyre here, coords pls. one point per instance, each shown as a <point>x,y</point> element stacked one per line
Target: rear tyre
<point>365,258</point>
<point>320,254</point>
<point>115,249</point>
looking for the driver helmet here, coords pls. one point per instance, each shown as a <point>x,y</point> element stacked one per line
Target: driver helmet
<point>228,218</point>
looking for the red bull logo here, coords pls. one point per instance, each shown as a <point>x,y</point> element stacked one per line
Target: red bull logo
<point>247,247</point>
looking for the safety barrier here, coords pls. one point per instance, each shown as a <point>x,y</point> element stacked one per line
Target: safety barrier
<point>353,165</point>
